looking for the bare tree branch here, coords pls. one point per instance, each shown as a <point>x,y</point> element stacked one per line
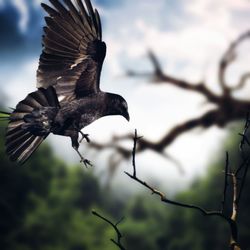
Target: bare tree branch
<point>115,226</point>
<point>227,108</point>
<point>237,190</point>
<point>213,117</point>
<point>233,241</point>
<point>243,80</point>
<point>159,77</point>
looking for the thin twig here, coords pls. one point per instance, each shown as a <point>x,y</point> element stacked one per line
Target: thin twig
<point>115,226</point>
<point>160,194</point>
<point>234,234</point>
<point>244,134</point>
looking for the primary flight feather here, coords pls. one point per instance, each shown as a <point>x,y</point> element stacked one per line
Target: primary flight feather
<point>68,79</point>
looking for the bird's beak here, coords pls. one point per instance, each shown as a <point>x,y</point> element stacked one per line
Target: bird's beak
<point>126,116</point>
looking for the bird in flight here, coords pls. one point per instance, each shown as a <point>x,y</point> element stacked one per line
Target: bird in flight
<point>68,95</point>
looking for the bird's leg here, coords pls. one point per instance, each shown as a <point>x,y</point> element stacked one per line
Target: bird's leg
<point>84,136</point>
<point>75,145</point>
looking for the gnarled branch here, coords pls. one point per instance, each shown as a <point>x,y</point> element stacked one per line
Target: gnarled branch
<point>227,108</point>
<point>228,58</point>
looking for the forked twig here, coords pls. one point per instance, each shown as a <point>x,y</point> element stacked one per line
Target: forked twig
<point>115,226</point>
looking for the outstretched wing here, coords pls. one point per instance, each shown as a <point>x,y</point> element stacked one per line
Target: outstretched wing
<point>73,51</point>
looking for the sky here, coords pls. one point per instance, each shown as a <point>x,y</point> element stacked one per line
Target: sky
<point>189,37</point>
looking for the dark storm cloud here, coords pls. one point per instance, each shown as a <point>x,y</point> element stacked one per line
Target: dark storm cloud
<point>9,30</point>
<point>17,43</point>
<point>13,39</point>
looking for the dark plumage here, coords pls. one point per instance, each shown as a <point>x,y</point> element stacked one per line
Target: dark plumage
<point>68,96</point>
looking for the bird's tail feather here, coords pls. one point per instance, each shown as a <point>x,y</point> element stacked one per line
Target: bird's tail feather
<point>20,141</point>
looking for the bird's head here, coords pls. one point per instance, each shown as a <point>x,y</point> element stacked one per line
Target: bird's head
<point>117,105</point>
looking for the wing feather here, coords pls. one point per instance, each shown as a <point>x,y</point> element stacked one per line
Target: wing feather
<point>73,51</point>
<point>75,14</point>
<point>92,15</point>
<point>59,28</point>
<point>50,10</point>
<point>84,16</point>
<point>61,47</point>
<point>99,25</point>
<point>58,38</point>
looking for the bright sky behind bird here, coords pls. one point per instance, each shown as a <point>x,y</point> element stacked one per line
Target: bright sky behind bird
<point>189,37</point>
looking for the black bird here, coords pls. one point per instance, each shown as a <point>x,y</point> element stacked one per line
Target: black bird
<point>68,96</point>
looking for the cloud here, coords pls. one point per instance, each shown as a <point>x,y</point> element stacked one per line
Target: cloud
<point>9,30</point>
<point>109,3</point>
<point>21,5</point>
<point>20,30</point>
<point>18,85</point>
<point>191,48</point>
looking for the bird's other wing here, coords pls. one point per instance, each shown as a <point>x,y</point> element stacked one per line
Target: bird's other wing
<point>73,51</point>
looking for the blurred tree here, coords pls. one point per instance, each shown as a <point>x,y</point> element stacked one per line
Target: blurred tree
<point>46,205</point>
<point>16,184</point>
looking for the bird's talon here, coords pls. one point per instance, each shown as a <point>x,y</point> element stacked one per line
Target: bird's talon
<point>87,163</point>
